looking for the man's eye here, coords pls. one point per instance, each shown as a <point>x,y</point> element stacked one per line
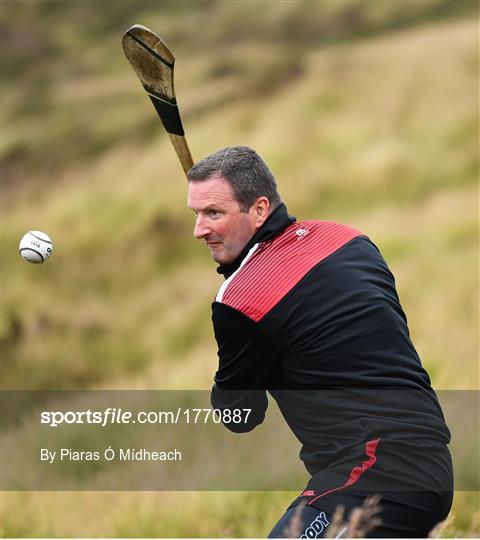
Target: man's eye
<point>214,213</point>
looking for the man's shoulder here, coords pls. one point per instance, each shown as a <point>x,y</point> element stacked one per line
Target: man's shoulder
<point>272,268</point>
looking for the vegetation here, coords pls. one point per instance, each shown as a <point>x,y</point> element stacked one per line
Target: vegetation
<point>367,112</point>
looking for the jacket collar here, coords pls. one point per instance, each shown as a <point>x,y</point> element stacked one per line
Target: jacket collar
<point>276,222</point>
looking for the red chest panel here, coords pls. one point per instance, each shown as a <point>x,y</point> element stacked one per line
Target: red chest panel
<point>279,264</point>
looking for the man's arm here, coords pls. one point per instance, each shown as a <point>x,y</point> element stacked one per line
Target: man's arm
<point>245,364</point>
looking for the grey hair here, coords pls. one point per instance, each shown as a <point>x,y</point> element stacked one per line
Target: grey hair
<point>244,170</point>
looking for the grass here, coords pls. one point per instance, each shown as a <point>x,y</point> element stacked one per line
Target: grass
<point>367,115</point>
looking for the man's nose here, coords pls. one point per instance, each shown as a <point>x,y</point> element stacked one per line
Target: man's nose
<point>201,228</point>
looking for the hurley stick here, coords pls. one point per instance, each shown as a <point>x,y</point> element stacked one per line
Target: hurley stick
<point>153,63</point>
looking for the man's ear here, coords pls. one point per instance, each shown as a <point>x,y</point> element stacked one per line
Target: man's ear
<point>261,209</point>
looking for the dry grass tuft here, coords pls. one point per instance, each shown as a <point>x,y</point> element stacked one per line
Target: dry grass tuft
<point>440,528</point>
<point>294,528</point>
<point>364,519</point>
<point>361,520</point>
<point>474,530</point>
<point>337,525</point>
<point>448,528</point>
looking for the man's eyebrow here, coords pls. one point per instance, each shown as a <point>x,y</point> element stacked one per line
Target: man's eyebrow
<point>212,206</point>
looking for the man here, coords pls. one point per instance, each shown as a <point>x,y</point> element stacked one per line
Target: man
<point>309,312</point>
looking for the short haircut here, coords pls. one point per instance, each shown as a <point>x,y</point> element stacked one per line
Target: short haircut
<point>244,170</point>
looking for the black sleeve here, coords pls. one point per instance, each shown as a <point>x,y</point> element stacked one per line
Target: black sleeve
<point>245,361</point>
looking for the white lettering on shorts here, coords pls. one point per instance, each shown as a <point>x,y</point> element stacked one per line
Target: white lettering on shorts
<point>316,528</point>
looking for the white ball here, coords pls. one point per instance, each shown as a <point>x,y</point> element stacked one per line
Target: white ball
<point>35,247</point>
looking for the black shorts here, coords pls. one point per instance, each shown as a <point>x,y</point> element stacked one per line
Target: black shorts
<point>411,515</point>
<point>414,486</point>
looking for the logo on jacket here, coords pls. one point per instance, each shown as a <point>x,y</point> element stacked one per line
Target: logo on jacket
<point>301,232</point>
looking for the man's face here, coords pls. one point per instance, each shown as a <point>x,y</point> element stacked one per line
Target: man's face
<point>220,222</point>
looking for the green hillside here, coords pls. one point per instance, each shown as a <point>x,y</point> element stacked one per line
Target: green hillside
<point>367,112</point>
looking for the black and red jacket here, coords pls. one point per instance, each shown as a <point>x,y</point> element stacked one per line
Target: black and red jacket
<point>309,312</point>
